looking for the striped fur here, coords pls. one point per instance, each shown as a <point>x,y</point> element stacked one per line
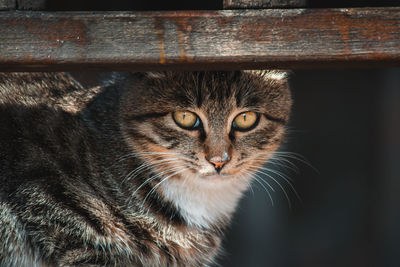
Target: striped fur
<point>105,177</point>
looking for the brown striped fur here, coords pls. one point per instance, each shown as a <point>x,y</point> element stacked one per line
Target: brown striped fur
<point>105,177</point>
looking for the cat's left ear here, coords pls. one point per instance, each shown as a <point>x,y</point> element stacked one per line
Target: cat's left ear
<point>278,75</point>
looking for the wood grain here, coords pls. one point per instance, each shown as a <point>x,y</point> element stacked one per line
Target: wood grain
<point>200,40</point>
<point>241,4</point>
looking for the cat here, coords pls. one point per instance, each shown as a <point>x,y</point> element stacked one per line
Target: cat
<point>143,171</point>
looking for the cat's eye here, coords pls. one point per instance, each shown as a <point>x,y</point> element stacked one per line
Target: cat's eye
<point>245,121</point>
<point>186,119</point>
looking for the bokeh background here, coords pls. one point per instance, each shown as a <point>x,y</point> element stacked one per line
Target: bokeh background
<point>346,125</point>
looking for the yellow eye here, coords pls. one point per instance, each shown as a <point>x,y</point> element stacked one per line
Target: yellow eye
<point>186,119</point>
<point>245,121</point>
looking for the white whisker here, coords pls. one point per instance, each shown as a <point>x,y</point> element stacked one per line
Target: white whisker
<point>295,156</point>
<point>159,183</point>
<point>145,166</point>
<point>136,154</point>
<point>151,178</point>
<point>258,170</point>
<point>148,180</point>
<point>247,182</point>
<point>256,178</point>
<point>289,164</point>
<point>277,161</point>
<point>287,179</point>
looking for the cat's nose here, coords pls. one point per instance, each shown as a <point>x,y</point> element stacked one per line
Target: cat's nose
<point>219,161</point>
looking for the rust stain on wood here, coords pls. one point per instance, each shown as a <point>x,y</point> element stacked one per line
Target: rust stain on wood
<point>182,54</point>
<point>184,28</point>
<point>53,32</point>
<point>321,26</point>
<point>158,23</point>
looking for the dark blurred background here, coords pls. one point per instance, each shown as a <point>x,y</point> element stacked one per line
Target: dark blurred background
<point>346,124</point>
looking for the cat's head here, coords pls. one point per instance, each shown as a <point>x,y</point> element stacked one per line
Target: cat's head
<point>203,134</point>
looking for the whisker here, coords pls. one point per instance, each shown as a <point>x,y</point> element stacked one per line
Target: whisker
<point>296,156</point>
<point>284,156</point>
<point>148,180</point>
<point>151,178</point>
<point>255,174</point>
<point>283,176</point>
<point>247,182</point>
<point>145,166</point>
<point>256,178</point>
<point>276,161</point>
<point>152,163</point>
<point>159,183</point>
<point>280,158</point>
<point>287,179</point>
<point>133,154</point>
<point>259,180</point>
<point>257,169</point>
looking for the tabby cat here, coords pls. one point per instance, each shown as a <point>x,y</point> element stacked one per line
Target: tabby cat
<point>143,171</point>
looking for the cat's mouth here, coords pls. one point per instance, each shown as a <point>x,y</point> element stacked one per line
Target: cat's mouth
<point>208,173</point>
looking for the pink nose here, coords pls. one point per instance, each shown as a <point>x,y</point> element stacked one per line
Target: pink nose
<point>219,162</point>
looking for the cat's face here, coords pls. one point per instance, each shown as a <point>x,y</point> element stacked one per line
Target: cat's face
<point>203,134</point>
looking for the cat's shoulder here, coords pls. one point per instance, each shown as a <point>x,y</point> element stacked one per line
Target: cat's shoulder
<point>32,88</point>
<point>59,90</point>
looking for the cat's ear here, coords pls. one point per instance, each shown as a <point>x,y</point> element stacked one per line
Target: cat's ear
<point>278,75</point>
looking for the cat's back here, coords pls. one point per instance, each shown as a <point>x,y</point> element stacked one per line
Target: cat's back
<point>42,142</point>
<point>32,89</point>
<point>23,97</point>
<point>40,131</point>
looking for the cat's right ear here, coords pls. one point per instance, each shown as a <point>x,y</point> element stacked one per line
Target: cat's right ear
<point>268,75</point>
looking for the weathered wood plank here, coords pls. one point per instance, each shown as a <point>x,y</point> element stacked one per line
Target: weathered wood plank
<point>8,4</point>
<point>241,4</point>
<point>293,38</point>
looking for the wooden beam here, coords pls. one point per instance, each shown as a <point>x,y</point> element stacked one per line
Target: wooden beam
<point>200,40</point>
<point>241,4</point>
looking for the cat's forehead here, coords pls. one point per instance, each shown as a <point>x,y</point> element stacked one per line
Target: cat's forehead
<point>212,91</point>
<point>216,93</point>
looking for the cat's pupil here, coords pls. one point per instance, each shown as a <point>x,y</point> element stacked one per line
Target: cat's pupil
<point>186,119</point>
<point>246,121</point>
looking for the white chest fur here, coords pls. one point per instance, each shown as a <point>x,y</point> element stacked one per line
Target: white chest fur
<point>204,201</point>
